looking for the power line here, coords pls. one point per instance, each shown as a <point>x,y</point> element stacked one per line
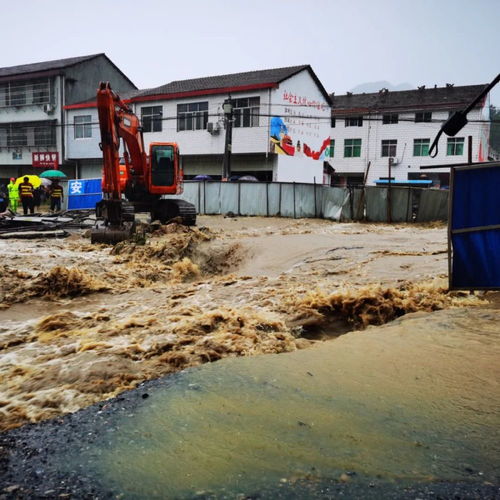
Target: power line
<point>31,124</point>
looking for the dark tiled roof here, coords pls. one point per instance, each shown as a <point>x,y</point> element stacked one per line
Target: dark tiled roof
<point>44,66</point>
<point>91,103</point>
<point>262,77</point>
<point>439,97</point>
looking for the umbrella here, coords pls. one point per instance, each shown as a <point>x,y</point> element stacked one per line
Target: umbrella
<point>202,178</point>
<point>248,178</point>
<point>46,182</point>
<point>53,174</point>
<point>34,179</point>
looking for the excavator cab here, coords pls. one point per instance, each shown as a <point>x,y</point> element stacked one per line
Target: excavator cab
<point>165,177</point>
<point>165,171</point>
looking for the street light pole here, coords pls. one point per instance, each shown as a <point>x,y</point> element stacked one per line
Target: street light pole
<point>228,120</point>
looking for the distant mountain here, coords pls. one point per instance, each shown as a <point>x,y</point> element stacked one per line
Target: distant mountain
<point>376,86</point>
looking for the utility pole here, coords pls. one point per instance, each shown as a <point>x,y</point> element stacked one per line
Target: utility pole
<point>228,120</point>
<point>389,192</point>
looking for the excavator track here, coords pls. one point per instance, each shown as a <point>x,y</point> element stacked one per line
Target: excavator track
<point>166,210</point>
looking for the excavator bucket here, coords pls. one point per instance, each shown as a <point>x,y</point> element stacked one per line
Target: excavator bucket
<point>110,235</point>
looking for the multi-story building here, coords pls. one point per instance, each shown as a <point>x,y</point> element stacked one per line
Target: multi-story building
<point>280,124</point>
<point>32,116</point>
<point>369,128</point>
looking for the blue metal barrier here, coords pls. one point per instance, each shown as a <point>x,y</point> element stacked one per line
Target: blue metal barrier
<point>475,228</point>
<point>84,193</point>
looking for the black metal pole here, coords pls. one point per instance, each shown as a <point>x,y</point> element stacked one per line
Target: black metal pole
<point>228,118</point>
<point>469,149</point>
<point>389,193</point>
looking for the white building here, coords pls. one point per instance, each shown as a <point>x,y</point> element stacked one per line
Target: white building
<point>32,116</point>
<point>367,129</point>
<point>281,124</point>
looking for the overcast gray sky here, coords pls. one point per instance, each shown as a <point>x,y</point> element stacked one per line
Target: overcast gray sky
<point>347,42</point>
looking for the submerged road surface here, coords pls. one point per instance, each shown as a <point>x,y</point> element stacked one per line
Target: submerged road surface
<point>409,409</point>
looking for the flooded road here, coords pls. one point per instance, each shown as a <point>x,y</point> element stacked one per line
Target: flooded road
<point>80,323</point>
<point>415,400</point>
<point>219,362</point>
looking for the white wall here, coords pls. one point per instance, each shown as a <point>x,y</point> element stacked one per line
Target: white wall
<point>298,169</point>
<point>304,111</point>
<point>87,147</point>
<point>201,142</point>
<point>405,131</point>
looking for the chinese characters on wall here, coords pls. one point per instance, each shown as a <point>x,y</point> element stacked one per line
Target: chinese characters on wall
<point>302,124</point>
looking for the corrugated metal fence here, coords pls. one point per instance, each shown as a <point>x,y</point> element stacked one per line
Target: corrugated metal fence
<point>295,200</point>
<point>309,200</point>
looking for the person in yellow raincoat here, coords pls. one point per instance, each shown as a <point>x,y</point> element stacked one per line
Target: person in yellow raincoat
<point>13,194</point>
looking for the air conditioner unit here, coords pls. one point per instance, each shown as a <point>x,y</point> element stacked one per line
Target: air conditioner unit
<point>395,161</point>
<point>49,108</point>
<point>213,128</point>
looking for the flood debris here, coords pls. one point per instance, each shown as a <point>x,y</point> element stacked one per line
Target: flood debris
<point>82,323</point>
<point>44,226</point>
<point>30,235</point>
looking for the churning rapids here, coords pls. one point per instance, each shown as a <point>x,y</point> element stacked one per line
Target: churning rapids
<point>373,372</point>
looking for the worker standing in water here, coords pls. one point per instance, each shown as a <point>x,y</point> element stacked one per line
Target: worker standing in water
<point>56,196</point>
<point>13,194</point>
<point>26,193</point>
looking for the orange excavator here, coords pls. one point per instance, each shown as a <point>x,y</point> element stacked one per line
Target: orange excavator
<point>141,179</point>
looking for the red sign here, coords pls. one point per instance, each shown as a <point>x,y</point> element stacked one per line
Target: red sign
<point>45,160</point>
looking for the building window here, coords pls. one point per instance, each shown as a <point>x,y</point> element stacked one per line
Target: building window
<point>18,137</point>
<point>4,95</point>
<point>151,118</point>
<point>45,135</point>
<point>330,152</point>
<point>352,148</point>
<point>24,93</point>
<point>41,92</point>
<point>17,95</point>
<point>423,116</point>
<point>421,147</point>
<point>29,134</point>
<point>354,121</point>
<point>389,147</point>
<point>455,146</point>
<point>192,116</point>
<point>246,112</point>
<point>83,126</point>
<point>390,118</point>
<point>333,122</point>
<point>4,133</point>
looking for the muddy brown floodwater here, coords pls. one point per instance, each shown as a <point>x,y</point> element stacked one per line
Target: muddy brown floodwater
<point>82,323</point>
<point>406,401</point>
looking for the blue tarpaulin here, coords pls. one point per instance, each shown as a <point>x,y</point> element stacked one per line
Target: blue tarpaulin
<point>475,227</point>
<point>417,182</point>
<point>84,193</point>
